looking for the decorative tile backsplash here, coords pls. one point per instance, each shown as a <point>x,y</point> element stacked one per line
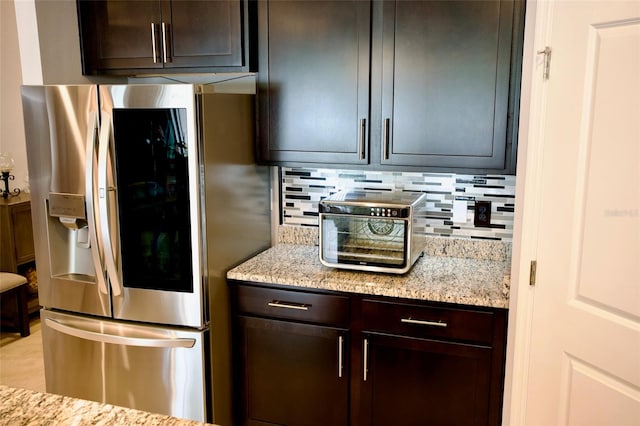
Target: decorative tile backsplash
<point>302,189</point>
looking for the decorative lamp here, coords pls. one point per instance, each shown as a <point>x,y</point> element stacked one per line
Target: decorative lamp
<point>6,165</point>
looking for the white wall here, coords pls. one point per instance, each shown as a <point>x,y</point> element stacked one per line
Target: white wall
<point>40,44</point>
<point>11,128</point>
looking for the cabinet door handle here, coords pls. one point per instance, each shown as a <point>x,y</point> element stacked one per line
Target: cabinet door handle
<point>153,43</point>
<point>340,355</point>
<point>289,305</point>
<point>385,139</point>
<point>164,43</point>
<point>362,137</point>
<point>365,367</point>
<point>421,322</point>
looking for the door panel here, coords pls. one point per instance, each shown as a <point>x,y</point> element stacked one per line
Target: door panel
<point>156,236</point>
<point>292,373</point>
<point>418,381</point>
<point>585,325</point>
<point>447,105</point>
<point>314,80</point>
<point>160,370</point>
<point>119,34</point>
<point>204,33</point>
<point>61,124</point>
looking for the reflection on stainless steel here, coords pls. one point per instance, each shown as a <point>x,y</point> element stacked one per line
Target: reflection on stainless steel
<point>71,111</point>
<point>59,122</point>
<point>106,361</point>
<point>138,302</point>
<point>104,206</point>
<point>83,330</point>
<point>161,175</point>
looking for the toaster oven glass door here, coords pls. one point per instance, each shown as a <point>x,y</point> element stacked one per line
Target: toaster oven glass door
<point>361,240</point>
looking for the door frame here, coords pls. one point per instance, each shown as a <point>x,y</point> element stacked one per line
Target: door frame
<point>538,17</point>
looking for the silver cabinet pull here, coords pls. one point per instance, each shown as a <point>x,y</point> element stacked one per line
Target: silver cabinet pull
<point>153,43</point>
<point>366,359</point>
<point>421,322</point>
<point>164,43</point>
<point>340,355</point>
<point>363,137</point>
<point>288,305</point>
<point>385,139</point>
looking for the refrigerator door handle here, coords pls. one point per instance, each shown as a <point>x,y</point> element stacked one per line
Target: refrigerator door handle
<point>90,198</point>
<point>148,342</point>
<point>103,203</point>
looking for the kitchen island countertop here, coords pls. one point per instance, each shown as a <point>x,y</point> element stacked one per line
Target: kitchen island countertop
<point>27,407</point>
<point>460,280</point>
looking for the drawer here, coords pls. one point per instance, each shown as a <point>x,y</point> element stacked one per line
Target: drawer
<point>293,305</point>
<point>427,321</point>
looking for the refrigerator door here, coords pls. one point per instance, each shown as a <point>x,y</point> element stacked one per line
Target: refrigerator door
<point>159,370</point>
<point>61,126</point>
<point>150,209</point>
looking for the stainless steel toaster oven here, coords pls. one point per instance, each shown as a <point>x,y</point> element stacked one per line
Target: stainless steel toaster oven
<point>371,231</point>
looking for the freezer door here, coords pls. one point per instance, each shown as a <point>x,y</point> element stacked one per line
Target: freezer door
<point>159,370</point>
<point>61,129</point>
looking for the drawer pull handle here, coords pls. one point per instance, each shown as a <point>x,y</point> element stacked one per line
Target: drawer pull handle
<point>287,305</point>
<point>420,322</point>
<point>365,368</point>
<point>340,355</point>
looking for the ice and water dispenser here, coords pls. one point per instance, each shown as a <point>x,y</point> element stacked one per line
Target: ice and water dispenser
<point>69,237</point>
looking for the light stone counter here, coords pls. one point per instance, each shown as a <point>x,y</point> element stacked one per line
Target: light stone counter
<point>473,278</point>
<point>30,408</point>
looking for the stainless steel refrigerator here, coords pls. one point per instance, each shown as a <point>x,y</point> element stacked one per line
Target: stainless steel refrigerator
<point>143,196</point>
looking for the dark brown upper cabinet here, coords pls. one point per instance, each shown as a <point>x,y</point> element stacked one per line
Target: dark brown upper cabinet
<point>313,83</point>
<point>390,85</point>
<point>141,37</point>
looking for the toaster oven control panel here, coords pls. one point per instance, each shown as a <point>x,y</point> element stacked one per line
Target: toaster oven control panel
<point>384,212</point>
<point>363,210</point>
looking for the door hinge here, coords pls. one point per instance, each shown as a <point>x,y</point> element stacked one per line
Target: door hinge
<point>547,61</point>
<point>532,272</point>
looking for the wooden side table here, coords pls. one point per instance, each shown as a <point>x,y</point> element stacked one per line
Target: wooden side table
<point>17,253</point>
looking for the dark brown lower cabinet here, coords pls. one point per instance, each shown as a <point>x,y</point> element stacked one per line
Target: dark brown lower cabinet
<point>294,374</point>
<point>417,381</point>
<point>324,358</point>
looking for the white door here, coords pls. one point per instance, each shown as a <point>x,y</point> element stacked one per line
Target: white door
<point>582,362</point>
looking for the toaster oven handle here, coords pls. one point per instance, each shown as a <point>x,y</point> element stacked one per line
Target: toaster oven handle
<point>289,305</point>
<point>421,322</point>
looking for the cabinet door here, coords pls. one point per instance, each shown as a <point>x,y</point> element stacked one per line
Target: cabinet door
<point>119,35</point>
<point>314,81</point>
<point>409,381</point>
<point>292,373</point>
<point>23,233</point>
<point>203,33</point>
<point>445,83</point>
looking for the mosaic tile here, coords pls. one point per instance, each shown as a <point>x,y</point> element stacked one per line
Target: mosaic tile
<point>302,189</point>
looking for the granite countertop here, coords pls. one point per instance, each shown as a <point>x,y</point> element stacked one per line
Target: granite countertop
<point>459,272</point>
<point>26,407</point>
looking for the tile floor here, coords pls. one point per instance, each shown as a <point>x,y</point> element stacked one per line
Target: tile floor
<point>21,364</point>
